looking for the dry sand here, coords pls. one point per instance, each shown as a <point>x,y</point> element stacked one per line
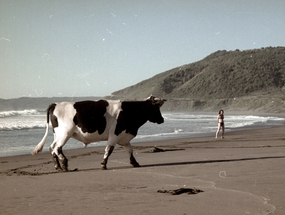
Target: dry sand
<point>241,174</point>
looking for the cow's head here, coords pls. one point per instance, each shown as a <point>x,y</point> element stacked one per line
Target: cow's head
<point>154,109</point>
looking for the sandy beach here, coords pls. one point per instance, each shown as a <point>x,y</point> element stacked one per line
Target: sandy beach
<point>241,174</point>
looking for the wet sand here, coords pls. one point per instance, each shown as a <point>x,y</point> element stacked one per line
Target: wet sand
<point>241,174</point>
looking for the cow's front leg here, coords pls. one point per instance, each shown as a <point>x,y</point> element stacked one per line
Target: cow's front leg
<point>108,151</point>
<point>133,161</point>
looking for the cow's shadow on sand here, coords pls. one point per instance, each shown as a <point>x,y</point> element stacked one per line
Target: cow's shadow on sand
<point>32,170</point>
<point>211,161</point>
<point>186,163</point>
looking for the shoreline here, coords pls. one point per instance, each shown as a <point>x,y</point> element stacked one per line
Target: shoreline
<point>158,139</point>
<point>241,174</point>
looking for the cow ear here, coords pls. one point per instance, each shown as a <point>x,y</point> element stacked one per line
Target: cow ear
<point>155,101</point>
<point>158,101</point>
<point>161,102</point>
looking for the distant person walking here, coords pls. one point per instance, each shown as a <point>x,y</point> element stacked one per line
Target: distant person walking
<point>221,123</point>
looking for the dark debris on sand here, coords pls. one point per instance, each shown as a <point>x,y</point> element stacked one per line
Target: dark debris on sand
<point>181,190</point>
<point>156,149</point>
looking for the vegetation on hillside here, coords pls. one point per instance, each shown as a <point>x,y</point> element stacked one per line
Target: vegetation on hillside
<point>223,75</point>
<point>248,80</point>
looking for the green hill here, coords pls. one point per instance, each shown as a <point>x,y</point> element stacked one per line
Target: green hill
<point>236,80</point>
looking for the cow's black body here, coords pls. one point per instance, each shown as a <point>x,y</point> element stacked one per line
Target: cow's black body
<point>90,116</point>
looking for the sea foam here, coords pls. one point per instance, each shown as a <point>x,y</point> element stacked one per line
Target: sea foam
<point>21,130</point>
<point>11,113</point>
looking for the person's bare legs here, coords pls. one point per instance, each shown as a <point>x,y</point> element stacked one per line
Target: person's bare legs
<point>219,128</point>
<point>223,131</point>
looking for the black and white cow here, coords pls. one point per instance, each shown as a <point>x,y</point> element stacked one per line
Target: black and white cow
<point>92,121</point>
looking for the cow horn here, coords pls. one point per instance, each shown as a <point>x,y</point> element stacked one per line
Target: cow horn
<point>151,97</point>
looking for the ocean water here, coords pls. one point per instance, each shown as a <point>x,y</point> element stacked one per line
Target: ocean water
<point>21,131</point>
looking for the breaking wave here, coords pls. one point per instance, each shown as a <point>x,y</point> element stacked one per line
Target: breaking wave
<point>21,130</point>
<point>21,120</point>
<point>21,126</point>
<point>12,113</point>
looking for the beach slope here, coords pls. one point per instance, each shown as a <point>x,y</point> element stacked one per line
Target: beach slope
<point>241,174</point>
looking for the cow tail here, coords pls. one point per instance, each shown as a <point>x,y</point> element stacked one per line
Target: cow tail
<point>41,144</point>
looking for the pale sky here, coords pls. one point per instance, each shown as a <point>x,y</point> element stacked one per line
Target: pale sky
<point>51,48</point>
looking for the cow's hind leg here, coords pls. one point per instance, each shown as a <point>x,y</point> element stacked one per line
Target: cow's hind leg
<point>108,151</point>
<point>54,155</point>
<point>133,161</point>
<point>63,160</point>
<point>55,160</point>
<point>57,154</point>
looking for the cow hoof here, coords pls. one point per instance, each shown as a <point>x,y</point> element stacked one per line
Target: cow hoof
<point>64,169</point>
<point>58,168</point>
<point>103,167</point>
<point>136,165</point>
